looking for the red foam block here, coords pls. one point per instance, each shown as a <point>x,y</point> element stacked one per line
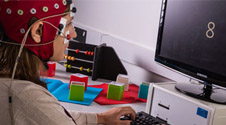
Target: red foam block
<point>79,78</point>
<point>51,71</point>
<point>129,96</point>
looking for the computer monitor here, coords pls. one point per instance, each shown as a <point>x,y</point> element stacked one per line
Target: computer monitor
<point>192,40</point>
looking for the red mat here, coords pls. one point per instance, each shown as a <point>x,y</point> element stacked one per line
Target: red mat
<point>128,97</point>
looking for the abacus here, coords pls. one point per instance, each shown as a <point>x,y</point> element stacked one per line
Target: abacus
<point>80,58</point>
<point>98,61</point>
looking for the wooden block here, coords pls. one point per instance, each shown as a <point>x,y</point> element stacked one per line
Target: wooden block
<point>115,90</point>
<point>79,78</point>
<point>121,78</point>
<point>77,90</point>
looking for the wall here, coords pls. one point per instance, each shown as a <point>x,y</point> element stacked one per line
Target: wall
<point>131,27</point>
<point>125,19</point>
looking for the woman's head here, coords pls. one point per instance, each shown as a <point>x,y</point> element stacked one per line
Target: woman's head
<point>16,18</point>
<point>59,44</point>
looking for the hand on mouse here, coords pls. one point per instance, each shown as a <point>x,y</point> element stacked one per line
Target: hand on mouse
<point>112,116</point>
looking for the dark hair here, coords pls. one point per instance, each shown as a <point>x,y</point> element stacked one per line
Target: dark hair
<point>28,66</point>
<point>1,32</point>
<point>3,35</point>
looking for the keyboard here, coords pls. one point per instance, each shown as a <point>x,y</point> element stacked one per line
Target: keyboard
<point>143,118</point>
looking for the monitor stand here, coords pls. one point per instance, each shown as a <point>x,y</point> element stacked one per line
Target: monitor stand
<point>205,91</point>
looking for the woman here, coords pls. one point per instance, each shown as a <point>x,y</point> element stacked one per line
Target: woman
<point>32,33</point>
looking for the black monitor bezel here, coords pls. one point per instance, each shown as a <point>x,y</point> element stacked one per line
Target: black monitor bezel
<point>212,78</point>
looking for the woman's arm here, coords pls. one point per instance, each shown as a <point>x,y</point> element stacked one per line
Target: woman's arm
<point>32,104</point>
<point>112,116</point>
<point>42,107</point>
<point>84,118</point>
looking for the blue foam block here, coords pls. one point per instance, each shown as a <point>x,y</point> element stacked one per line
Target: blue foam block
<point>61,91</point>
<point>143,91</point>
<point>52,84</point>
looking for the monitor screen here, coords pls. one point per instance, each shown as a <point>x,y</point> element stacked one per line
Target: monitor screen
<point>192,38</point>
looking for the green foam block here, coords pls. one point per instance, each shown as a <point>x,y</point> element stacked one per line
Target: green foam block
<point>77,90</point>
<point>115,91</point>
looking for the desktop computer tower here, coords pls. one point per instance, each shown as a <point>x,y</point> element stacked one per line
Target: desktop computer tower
<point>168,104</point>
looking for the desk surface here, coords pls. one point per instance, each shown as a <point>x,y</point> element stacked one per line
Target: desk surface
<point>64,76</point>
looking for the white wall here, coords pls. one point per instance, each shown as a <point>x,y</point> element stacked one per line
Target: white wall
<point>131,27</point>
<point>131,20</point>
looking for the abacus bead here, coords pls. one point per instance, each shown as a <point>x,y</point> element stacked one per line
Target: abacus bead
<point>89,53</point>
<point>77,50</point>
<point>72,58</point>
<point>69,57</point>
<point>65,56</point>
<point>65,65</point>
<point>92,53</point>
<point>69,66</point>
<point>88,70</point>
<point>86,52</point>
<point>81,68</point>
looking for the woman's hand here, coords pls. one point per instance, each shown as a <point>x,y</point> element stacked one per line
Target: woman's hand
<point>112,116</point>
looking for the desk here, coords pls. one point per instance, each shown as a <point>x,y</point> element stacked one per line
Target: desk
<point>64,76</point>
